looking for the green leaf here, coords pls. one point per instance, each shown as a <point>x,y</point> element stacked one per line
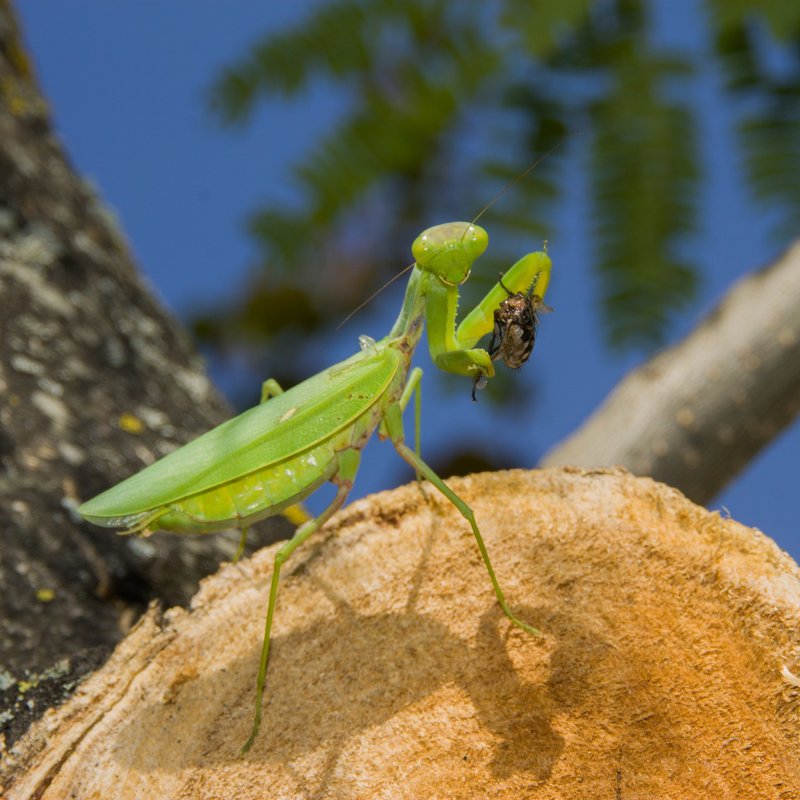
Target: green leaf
<point>644,175</point>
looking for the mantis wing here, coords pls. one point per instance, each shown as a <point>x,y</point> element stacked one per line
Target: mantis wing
<point>278,429</point>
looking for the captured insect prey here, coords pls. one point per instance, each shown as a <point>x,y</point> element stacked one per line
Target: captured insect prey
<point>515,324</point>
<point>274,455</point>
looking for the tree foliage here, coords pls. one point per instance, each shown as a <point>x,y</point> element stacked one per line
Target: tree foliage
<point>444,102</point>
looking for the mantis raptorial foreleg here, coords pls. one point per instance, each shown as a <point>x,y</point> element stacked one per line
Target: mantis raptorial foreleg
<point>452,348</point>
<point>448,352</point>
<point>347,469</point>
<point>531,274</point>
<point>394,426</point>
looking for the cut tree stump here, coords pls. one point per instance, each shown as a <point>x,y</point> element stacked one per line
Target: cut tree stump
<point>666,668</point>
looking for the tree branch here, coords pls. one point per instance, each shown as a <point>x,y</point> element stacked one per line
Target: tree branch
<point>696,414</point>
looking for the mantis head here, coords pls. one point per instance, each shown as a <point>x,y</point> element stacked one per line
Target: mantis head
<point>449,250</point>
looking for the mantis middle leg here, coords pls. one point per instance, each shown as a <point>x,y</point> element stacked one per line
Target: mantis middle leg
<point>414,386</point>
<point>270,388</point>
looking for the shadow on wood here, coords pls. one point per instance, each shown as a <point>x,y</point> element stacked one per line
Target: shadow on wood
<point>666,629</point>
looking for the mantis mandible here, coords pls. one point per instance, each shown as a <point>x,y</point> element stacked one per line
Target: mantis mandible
<point>277,453</point>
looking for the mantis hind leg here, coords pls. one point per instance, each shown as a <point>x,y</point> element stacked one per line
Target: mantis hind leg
<point>394,425</point>
<point>240,549</point>
<point>348,466</point>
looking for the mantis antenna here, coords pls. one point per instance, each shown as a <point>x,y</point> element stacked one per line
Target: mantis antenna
<point>513,182</point>
<point>374,295</point>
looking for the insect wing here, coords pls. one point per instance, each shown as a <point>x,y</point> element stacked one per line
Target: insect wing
<point>284,426</point>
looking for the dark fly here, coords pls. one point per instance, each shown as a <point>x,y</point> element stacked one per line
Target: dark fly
<point>515,324</point>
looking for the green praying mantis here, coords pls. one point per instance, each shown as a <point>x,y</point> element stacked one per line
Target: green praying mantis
<point>272,456</point>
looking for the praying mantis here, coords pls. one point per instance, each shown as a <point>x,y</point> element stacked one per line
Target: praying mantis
<point>274,455</point>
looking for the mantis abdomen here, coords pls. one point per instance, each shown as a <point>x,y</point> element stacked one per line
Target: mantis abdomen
<point>264,492</point>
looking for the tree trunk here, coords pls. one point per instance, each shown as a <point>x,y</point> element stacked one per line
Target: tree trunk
<point>96,380</point>
<point>667,667</point>
<point>695,415</point>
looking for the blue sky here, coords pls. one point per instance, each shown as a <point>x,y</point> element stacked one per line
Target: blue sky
<point>127,83</point>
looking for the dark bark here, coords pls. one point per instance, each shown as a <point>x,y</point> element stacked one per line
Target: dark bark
<point>96,381</point>
<point>695,415</point>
